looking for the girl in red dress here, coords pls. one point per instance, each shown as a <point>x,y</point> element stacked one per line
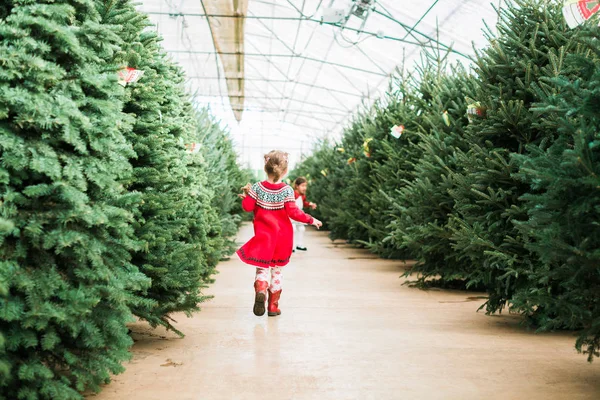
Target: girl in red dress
<point>273,204</point>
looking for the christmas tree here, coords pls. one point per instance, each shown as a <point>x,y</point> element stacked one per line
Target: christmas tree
<point>204,224</point>
<point>502,200</point>
<point>176,222</point>
<point>66,277</point>
<point>224,175</point>
<point>562,206</point>
<point>391,158</point>
<point>530,46</point>
<point>332,175</point>
<point>361,180</point>
<point>323,188</point>
<point>104,211</point>
<point>421,208</point>
<point>350,180</point>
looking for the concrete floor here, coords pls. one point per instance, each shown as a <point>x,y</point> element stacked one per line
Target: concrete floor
<point>349,330</point>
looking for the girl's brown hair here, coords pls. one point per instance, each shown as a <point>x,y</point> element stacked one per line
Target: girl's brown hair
<point>276,164</point>
<point>299,181</point>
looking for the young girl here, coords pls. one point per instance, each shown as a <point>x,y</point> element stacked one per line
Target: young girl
<point>300,187</point>
<point>273,204</point>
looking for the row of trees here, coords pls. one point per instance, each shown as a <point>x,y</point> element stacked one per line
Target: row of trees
<point>493,183</point>
<point>104,213</point>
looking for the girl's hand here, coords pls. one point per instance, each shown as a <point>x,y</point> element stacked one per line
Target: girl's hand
<point>316,223</point>
<point>313,206</point>
<point>246,189</point>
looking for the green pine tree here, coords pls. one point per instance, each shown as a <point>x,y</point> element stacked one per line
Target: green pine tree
<point>66,279</point>
<point>531,45</point>
<point>332,177</point>
<point>391,161</point>
<point>323,190</point>
<point>360,201</point>
<point>224,174</point>
<point>176,222</point>
<point>348,178</point>
<point>421,208</point>
<point>205,226</point>
<point>506,202</point>
<point>562,228</point>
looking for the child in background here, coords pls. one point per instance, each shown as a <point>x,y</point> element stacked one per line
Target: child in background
<point>273,204</point>
<point>300,187</point>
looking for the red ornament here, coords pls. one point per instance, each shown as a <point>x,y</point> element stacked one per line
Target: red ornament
<point>129,75</point>
<point>397,131</point>
<point>193,147</point>
<point>577,12</point>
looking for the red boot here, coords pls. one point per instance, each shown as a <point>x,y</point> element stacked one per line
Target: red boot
<point>274,303</point>
<point>260,287</point>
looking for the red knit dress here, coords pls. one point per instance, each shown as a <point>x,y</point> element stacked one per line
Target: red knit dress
<point>273,206</point>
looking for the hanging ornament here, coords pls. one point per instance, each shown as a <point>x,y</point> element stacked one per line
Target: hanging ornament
<point>446,118</point>
<point>397,131</point>
<point>341,149</point>
<point>367,149</point>
<point>576,12</point>
<point>324,172</point>
<point>129,75</point>
<point>193,147</point>
<point>351,160</point>
<point>474,110</point>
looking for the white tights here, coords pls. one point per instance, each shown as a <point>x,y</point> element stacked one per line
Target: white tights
<point>275,274</point>
<point>299,235</point>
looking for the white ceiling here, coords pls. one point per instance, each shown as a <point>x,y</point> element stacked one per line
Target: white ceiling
<point>304,79</point>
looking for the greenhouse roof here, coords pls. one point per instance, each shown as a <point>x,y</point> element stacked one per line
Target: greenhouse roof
<point>286,73</point>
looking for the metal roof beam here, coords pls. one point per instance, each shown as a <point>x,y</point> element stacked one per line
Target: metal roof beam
<point>246,79</point>
<point>286,97</point>
<point>373,34</point>
<point>421,19</point>
<point>317,60</point>
<point>214,47</point>
<point>410,30</point>
<point>205,15</point>
<point>302,114</point>
<point>291,60</point>
<point>317,105</point>
<point>287,77</point>
<point>296,82</point>
<point>265,79</point>
<point>264,147</point>
<point>277,109</point>
<point>242,97</point>
<point>316,77</point>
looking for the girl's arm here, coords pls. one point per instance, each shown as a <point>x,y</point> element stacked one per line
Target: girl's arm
<point>248,197</point>
<point>297,214</point>
<point>306,202</point>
